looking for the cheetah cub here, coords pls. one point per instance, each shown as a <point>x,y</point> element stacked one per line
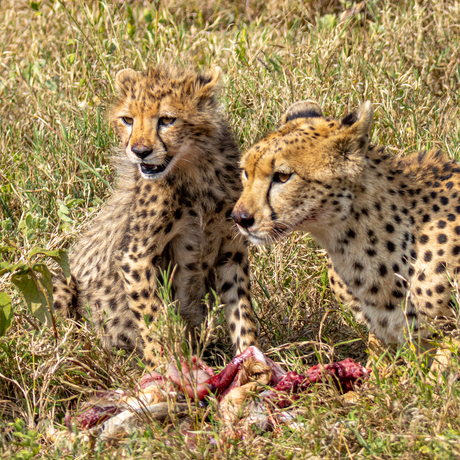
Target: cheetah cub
<point>391,226</point>
<point>178,180</point>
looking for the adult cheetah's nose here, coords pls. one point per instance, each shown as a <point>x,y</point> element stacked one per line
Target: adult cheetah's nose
<point>141,151</point>
<point>243,218</point>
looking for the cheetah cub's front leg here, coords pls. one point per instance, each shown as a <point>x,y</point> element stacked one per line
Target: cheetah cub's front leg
<point>140,278</point>
<point>234,291</point>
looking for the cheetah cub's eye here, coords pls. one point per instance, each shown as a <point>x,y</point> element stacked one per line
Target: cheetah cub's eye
<point>244,174</point>
<point>165,121</point>
<point>127,120</point>
<point>281,177</point>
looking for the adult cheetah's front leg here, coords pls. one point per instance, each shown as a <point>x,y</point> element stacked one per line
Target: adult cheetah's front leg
<point>233,286</point>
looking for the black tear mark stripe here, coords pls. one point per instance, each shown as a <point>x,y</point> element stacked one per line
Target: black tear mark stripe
<point>274,216</point>
<point>161,140</point>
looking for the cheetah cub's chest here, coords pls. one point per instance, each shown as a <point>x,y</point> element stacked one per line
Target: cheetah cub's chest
<point>391,226</point>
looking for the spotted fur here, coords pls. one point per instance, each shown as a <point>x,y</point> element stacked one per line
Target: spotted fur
<point>178,180</point>
<point>391,226</point>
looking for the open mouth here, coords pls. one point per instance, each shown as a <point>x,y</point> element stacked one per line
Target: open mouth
<point>153,170</point>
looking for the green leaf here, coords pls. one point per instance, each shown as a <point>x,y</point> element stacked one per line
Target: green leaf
<point>71,58</point>
<point>7,249</point>
<point>51,84</point>
<point>5,267</point>
<point>63,208</point>
<point>64,217</point>
<point>35,5</point>
<point>29,221</point>
<point>59,255</point>
<point>148,16</point>
<point>6,313</point>
<point>36,299</point>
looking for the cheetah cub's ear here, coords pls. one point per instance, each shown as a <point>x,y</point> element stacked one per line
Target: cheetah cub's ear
<point>302,109</point>
<point>209,83</point>
<point>123,77</point>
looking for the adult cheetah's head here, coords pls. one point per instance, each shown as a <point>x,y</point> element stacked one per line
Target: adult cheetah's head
<point>164,116</point>
<point>304,175</point>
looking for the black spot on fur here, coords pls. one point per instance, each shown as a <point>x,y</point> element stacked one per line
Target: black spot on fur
<point>442,238</point>
<point>374,289</point>
<point>389,306</point>
<point>441,267</point>
<point>389,228</point>
<point>350,233</point>
<point>238,257</point>
<point>439,288</point>
<point>241,293</point>
<point>226,287</point>
<point>391,247</point>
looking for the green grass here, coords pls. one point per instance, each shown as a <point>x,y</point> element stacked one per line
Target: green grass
<point>57,63</point>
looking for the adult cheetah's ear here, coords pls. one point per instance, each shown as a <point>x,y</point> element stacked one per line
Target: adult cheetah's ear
<point>357,126</point>
<point>302,109</point>
<point>123,78</point>
<point>360,120</point>
<point>209,83</point>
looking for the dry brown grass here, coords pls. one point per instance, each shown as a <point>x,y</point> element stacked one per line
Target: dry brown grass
<point>57,62</point>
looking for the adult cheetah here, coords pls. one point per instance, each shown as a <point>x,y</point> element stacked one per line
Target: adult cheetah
<point>178,180</point>
<point>391,226</point>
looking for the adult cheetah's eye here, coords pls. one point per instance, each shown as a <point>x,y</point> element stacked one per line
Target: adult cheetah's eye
<point>281,177</point>
<point>127,120</point>
<point>165,121</point>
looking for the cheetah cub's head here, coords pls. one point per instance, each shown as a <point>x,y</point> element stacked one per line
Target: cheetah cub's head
<point>164,116</point>
<point>305,175</point>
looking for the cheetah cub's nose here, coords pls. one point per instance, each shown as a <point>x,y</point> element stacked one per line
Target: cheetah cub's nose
<point>141,151</point>
<point>244,219</point>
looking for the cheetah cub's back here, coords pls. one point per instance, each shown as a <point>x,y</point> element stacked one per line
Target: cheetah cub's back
<point>391,226</point>
<point>178,180</point>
